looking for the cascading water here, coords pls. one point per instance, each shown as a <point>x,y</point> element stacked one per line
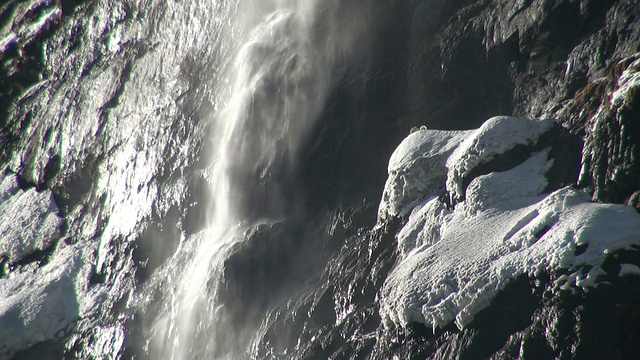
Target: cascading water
<point>278,84</point>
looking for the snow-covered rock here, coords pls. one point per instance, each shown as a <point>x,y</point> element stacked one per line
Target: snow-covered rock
<point>417,170</point>
<point>45,305</point>
<point>454,261</point>
<point>496,136</point>
<point>527,179</point>
<point>630,79</point>
<point>29,219</point>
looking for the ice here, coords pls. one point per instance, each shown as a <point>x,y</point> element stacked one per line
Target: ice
<point>29,220</point>
<point>496,136</point>
<point>425,223</point>
<point>478,254</point>
<point>417,169</point>
<point>423,226</point>
<point>454,261</point>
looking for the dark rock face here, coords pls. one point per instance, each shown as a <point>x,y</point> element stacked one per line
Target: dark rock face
<point>467,61</point>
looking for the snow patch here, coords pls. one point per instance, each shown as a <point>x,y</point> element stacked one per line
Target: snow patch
<point>479,254</point>
<point>496,136</point>
<point>423,227</point>
<point>629,269</point>
<point>417,170</point>
<point>527,179</point>
<point>454,261</point>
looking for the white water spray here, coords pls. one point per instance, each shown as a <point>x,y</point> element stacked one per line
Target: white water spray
<point>279,82</point>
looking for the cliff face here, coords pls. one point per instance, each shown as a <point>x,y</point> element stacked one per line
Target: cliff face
<point>123,162</point>
<point>463,62</point>
<point>560,59</point>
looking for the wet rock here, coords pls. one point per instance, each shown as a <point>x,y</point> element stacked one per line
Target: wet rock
<point>634,200</point>
<point>529,59</point>
<point>610,164</point>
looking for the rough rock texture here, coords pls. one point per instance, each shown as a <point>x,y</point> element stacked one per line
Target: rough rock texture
<point>29,220</point>
<point>92,114</point>
<point>45,307</point>
<point>606,113</point>
<point>444,64</point>
<point>469,60</point>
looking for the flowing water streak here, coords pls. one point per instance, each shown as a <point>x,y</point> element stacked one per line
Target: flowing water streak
<point>281,77</point>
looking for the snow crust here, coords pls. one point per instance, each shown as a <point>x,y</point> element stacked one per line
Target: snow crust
<point>454,261</point>
<point>496,136</point>
<point>417,170</point>
<point>29,220</point>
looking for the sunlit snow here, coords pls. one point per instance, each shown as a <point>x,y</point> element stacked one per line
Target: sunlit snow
<point>495,136</point>
<point>417,170</point>
<point>455,261</point>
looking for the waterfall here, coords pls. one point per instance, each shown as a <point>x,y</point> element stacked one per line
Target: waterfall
<point>199,179</point>
<point>274,92</point>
